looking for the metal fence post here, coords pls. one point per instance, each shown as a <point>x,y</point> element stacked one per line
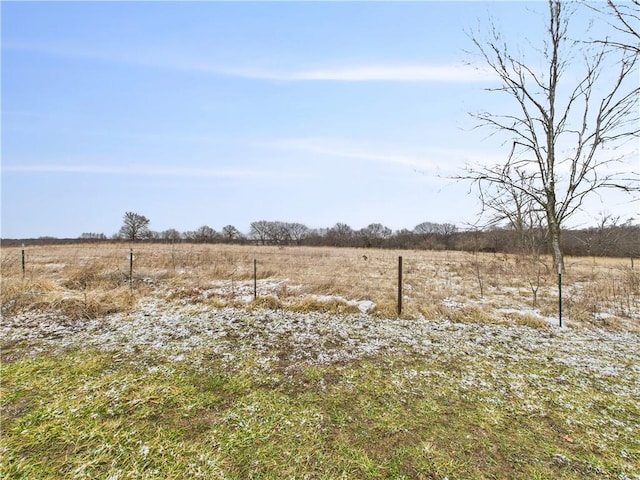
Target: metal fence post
<point>23,260</point>
<point>399,286</point>
<point>560,294</point>
<point>131,268</point>
<point>255,279</point>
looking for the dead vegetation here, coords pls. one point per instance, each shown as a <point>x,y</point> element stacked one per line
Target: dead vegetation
<point>89,281</point>
<point>193,377</point>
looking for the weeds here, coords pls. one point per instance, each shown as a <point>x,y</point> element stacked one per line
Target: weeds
<point>81,279</point>
<point>529,321</point>
<point>330,305</point>
<point>171,381</point>
<point>45,296</point>
<point>269,302</point>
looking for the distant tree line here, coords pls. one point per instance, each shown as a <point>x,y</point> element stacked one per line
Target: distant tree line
<point>610,237</point>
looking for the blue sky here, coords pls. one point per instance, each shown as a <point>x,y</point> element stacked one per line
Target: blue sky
<point>211,113</point>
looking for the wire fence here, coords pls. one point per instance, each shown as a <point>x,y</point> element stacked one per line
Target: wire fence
<point>413,281</point>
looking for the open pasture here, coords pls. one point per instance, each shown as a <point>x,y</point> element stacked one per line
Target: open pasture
<point>185,375</point>
<point>88,281</point>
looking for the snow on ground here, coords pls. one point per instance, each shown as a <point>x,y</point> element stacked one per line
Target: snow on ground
<point>365,306</point>
<point>174,332</point>
<point>531,312</point>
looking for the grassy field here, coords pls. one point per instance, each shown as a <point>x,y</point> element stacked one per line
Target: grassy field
<point>187,376</point>
<point>88,281</point>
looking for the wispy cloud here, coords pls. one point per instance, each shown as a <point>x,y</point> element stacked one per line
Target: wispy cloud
<point>145,170</point>
<point>433,160</point>
<point>369,72</point>
<point>346,149</point>
<point>409,73</point>
<point>361,73</point>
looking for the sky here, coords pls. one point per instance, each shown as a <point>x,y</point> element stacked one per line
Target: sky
<point>225,113</point>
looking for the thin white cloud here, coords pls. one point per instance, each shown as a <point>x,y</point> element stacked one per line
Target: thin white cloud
<point>374,72</point>
<point>144,170</point>
<point>345,149</point>
<point>439,161</point>
<point>363,73</point>
<point>410,73</point>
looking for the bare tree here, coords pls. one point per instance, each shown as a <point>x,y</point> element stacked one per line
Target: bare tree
<point>605,238</point>
<point>425,228</point>
<point>446,232</point>
<point>374,234</point>
<point>340,235</point>
<point>171,235</point>
<point>297,232</point>
<point>278,233</point>
<point>231,233</point>
<point>629,241</point>
<point>259,231</point>
<point>561,120</point>
<point>135,226</point>
<point>626,19</point>
<point>93,236</point>
<point>205,234</point>
<point>515,208</point>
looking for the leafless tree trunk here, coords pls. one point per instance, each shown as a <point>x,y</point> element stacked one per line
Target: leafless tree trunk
<point>134,227</point>
<point>560,122</point>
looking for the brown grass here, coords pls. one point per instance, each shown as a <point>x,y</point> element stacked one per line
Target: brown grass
<point>93,280</point>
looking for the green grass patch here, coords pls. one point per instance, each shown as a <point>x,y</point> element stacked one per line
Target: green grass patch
<point>85,414</point>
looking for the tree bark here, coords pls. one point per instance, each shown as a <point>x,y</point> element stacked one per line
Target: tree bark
<point>555,233</point>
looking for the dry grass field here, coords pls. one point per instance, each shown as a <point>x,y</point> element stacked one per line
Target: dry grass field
<point>89,281</point>
<point>182,374</point>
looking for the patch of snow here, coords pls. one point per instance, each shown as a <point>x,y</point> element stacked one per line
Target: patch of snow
<point>281,339</point>
<point>531,312</point>
<point>365,306</point>
<point>449,303</point>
